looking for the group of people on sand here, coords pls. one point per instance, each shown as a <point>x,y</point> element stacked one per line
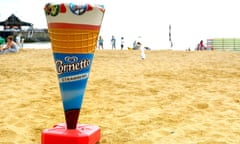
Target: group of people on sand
<point>137,45</point>
<point>9,47</point>
<point>113,43</point>
<point>201,46</point>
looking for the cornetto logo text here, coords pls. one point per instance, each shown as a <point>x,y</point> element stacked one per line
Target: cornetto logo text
<point>73,65</point>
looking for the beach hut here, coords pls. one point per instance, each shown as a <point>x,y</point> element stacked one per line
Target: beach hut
<point>224,44</point>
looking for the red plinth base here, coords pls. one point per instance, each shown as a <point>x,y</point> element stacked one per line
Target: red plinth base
<point>83,134</point>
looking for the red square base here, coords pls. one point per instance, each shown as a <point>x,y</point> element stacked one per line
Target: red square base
<point>83,134</point>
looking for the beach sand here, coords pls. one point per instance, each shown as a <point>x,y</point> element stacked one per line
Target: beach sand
<point>171,97</point>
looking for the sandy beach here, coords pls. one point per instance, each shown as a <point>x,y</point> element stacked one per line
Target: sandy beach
<point>171,97</point>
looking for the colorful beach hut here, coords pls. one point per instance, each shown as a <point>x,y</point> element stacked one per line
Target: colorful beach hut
<point>224,44</point>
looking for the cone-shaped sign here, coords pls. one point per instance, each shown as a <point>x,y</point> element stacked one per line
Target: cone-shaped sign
<point>73,30</point>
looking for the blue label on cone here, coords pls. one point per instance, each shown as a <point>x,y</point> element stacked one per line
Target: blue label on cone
<point>73,72</point>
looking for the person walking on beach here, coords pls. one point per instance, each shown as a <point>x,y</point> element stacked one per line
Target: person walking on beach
<point>143,56</point>
<point>134,44</point>
<point>113,42</point>
<point>122,43</point>
<point>140,46</point>
<point>100,42</point>
<point>11,46</point>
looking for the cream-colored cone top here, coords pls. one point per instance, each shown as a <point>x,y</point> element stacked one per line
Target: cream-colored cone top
<point>88,14</point>
<point>74,28</point>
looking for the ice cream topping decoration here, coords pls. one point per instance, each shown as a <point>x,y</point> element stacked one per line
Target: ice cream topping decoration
<point>55,9</point>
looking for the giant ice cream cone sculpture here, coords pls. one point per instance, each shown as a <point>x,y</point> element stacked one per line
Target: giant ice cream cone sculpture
<point>73,31</point>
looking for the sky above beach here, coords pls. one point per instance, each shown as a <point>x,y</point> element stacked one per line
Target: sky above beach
<point>191,20</point>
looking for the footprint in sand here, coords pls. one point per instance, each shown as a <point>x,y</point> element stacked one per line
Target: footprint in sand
<point>202,105</point>
<point>6,133</point>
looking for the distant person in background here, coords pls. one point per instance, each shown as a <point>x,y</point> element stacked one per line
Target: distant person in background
<point>10,47</point>
<point>22,42</point>
<point>134,44</point>
<point>100,42</point>
<point>18,40</point>
<point>122,43</point>
<point>201,46</point>
<point>113,42</point>
<point>140,46</point>
<point>143,56</point>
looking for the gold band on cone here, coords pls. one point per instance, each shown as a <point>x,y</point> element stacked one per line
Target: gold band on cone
<point>65,40</point>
